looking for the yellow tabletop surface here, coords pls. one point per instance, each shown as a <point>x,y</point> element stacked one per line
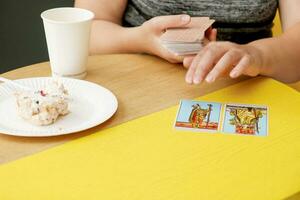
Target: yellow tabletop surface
<point>147,158</point>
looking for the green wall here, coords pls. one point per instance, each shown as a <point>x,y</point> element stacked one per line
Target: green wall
<point>22,38</point>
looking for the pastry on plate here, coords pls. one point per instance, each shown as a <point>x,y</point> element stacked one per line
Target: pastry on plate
<point>43,107</point>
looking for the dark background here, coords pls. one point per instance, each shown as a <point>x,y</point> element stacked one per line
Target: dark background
<point>22,38</point>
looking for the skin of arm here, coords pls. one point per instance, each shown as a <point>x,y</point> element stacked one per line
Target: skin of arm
<point>108,35</point>
<point>281,54</point>
<point>277,57</point>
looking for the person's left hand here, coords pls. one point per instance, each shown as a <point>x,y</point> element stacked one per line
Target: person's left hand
<point>223,58</point>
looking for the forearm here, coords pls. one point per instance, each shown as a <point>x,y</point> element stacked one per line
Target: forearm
<point>108,37</point>
<point>280,56</point>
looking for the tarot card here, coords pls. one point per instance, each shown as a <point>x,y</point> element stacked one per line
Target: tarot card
<point>198,116</point>
<point>245,119</point>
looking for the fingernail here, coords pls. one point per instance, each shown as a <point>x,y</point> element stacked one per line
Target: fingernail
<point>209,79</point>
<point>197,80</point>
<point>233,74</point>
<point>184,63</point>
<point>188,80</point>
<point>185,18</point>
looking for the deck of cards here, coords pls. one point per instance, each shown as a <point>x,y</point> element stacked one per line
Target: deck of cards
<point>187,40</point>
<point>241,119</point>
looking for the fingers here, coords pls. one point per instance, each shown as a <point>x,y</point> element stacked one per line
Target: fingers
<point>193,66</point>
<point>224,64</point>
<point>161,23</point>
<point>169,56</point>
<point>211,34</point>
<point>155,27</point>
<point>240,67</point>
<point>218,58</point>
<point>187,61</point>
<point>202,66</point>
<point>206,65</point>
<point>246,66</point>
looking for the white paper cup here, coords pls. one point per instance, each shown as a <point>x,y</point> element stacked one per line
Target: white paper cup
<point>68,33</point>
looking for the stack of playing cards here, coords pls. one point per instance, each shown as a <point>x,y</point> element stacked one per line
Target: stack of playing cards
<point>189,39</point>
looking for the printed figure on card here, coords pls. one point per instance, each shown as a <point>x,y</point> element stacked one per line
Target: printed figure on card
<point>198,115</point>
<point>245,119</point>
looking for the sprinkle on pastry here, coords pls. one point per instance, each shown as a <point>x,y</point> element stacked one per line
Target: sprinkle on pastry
<point>42,93</point>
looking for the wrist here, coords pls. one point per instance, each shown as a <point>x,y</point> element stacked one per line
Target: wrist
<point>144,40</point>
<point>260,57</point>
<point>133,42</point>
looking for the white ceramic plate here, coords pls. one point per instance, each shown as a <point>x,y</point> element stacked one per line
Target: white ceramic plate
<point>90,106</point>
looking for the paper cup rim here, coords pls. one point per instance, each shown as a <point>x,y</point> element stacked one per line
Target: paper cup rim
<point>88,18</point>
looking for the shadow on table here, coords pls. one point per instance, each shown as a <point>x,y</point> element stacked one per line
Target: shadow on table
<point>294,197</point>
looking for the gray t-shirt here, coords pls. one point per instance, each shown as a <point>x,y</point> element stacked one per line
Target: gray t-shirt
<point>239,21</point>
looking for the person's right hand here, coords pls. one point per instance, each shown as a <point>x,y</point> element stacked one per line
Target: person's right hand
<point>151,31</point>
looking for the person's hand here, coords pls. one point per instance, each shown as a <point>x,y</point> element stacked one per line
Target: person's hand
<point>152,29</point>
<point>210,36</point>
<point>221,59</point>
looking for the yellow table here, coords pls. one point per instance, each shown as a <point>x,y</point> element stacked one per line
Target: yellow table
<point>147,159</point>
